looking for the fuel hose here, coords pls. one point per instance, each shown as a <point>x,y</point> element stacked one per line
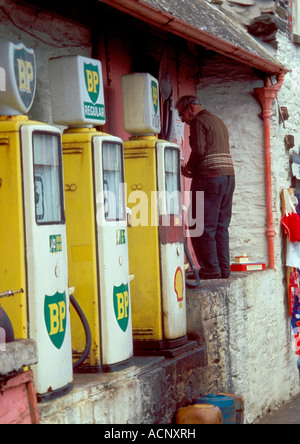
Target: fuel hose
<point>190,284</point>
<point>87,331</point>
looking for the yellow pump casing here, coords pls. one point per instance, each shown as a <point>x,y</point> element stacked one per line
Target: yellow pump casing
<point>147,305</point>
<point>156,257</point>
<point>12,248</point>
<point>98,266</point>
<point>33,254</point>
<point>81,235</point>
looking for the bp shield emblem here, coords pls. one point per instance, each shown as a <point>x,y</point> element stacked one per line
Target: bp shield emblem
<point>155,96</point>
<point>55,311</point>
<point>25,74</point>
<point>92,81</point>
<point>121,306</point>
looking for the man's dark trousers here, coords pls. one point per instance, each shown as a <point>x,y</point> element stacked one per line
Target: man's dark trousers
<point>212,248</point>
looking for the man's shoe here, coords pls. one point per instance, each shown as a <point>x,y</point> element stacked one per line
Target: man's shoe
<point>225,275</point>
<point>206,276</point>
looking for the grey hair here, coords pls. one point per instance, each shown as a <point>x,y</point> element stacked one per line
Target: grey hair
<point>185,101</point>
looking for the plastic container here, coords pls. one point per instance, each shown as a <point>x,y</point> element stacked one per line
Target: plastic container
<point>199,414</point>
<point>239,406</point>
<point>225,404</point>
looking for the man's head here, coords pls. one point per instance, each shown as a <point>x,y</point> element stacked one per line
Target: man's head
<point>188,107</point>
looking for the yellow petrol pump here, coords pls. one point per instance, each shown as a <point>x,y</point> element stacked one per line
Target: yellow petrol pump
<point>156,249</point>
<point>33,251</point>
<point>95,212</point>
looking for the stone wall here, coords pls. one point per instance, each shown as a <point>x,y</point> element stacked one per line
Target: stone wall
<point>262,18</point>
<point>148,392</point>
<point>249,347</point>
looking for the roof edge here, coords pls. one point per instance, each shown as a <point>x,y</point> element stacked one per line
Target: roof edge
<point>166,21</point>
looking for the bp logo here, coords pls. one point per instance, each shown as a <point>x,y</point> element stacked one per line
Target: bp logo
<point>92,81</point>
<point>93,108</point>
<point>121,306</point>
<point>155,95</point>
<point>25,75</point>
<point>55,311</point>
<point>179,286</point>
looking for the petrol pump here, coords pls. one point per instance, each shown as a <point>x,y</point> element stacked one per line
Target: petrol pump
<point>96,214</point>
<point>156,249</point>
<point>33,251</point>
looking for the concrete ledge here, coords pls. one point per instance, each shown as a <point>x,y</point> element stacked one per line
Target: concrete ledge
<point>17,354</point>
<point>149,392</point>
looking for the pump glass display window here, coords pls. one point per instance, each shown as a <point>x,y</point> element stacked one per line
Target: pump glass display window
<point>172,165</point>
<point>113,181</point>
<point>48,186</point>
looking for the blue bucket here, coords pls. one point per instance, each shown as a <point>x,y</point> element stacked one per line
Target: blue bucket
<point>225,404</point>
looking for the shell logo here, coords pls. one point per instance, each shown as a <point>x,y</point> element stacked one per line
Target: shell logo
<point>179,286</point>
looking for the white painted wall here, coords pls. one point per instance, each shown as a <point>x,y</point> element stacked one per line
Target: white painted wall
<point>226,90</point>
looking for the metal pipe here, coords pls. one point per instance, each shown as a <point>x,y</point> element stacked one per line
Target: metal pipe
<point>266,96</point>
<point>9,293</point>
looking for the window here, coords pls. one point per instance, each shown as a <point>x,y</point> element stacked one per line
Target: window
<point>172,171</point>
<point>113,181</point>
<point>48,184</point>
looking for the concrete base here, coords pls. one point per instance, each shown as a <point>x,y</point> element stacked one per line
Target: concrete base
<point>16,355</point>
<point>149,392</point>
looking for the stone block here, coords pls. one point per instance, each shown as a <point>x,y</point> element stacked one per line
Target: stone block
<point>17,354</point>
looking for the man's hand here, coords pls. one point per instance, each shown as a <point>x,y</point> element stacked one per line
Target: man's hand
<point>186,172</point>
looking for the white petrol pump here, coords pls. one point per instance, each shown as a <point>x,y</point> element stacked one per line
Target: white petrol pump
<point>33,250</point>
<point>96,214</point>
<point>156,248</point>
